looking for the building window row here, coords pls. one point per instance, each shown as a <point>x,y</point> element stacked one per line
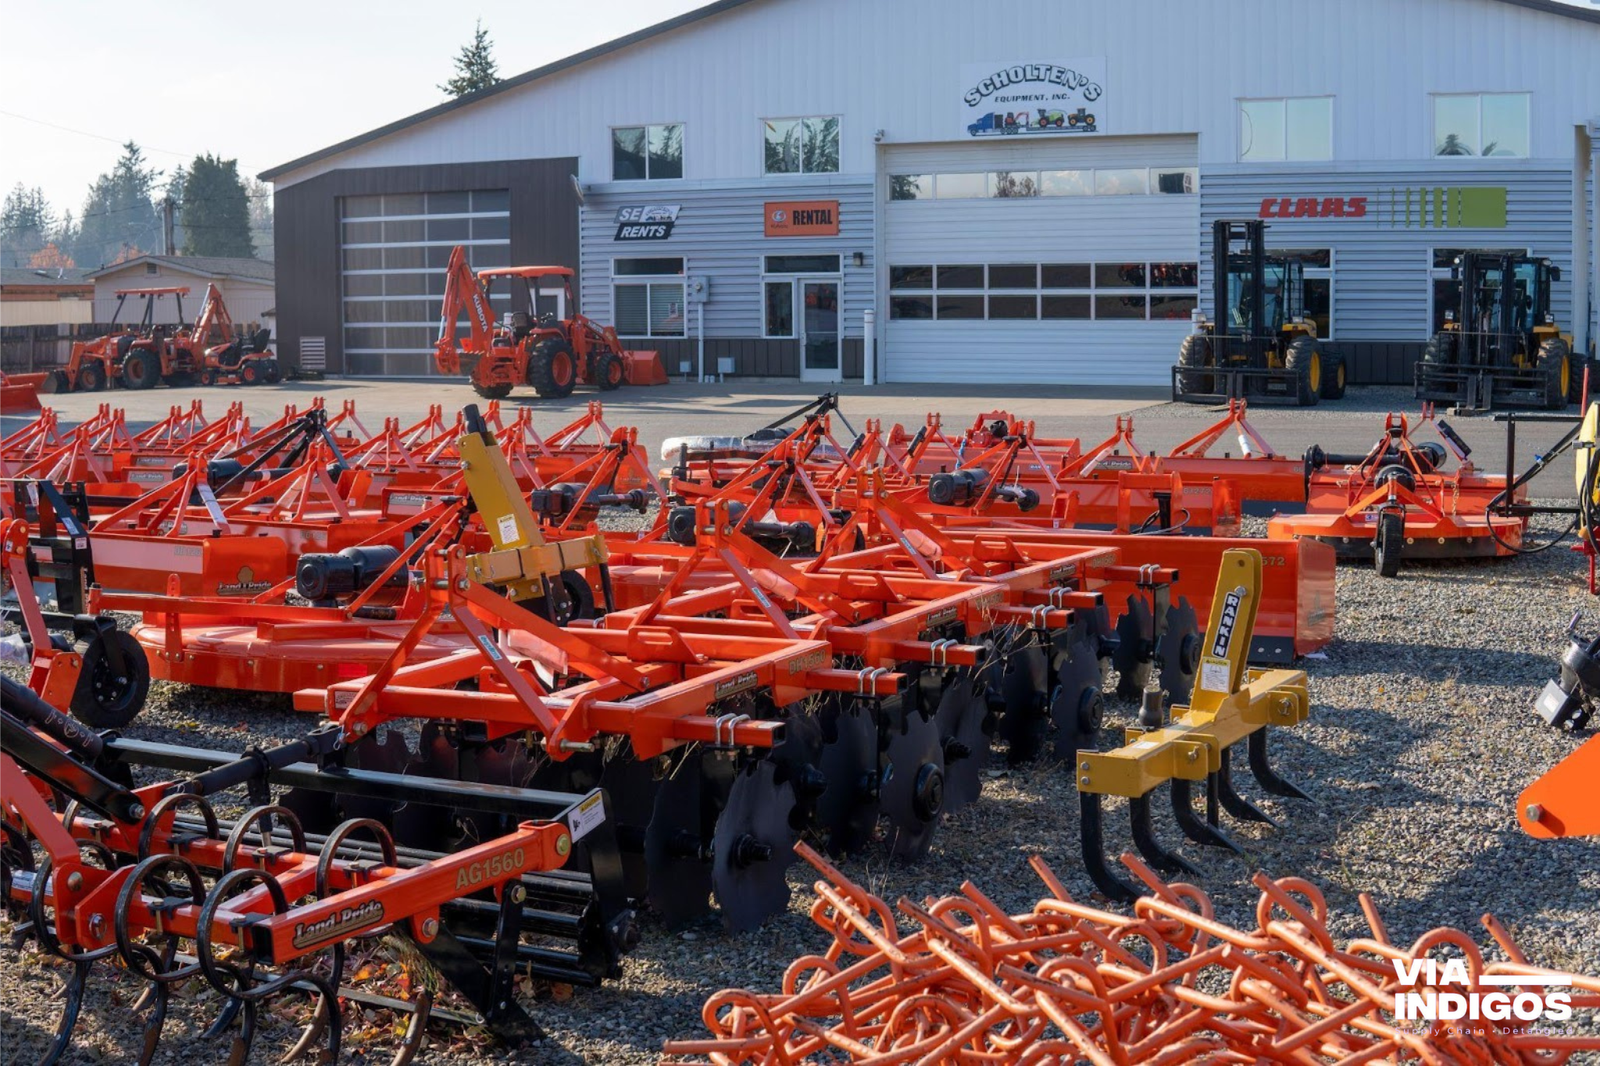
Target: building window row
<point>1022,184</point>
<point>647,296</point>
<point>805,145</point>
<point>1032,291</point>
<point>1300,128</point>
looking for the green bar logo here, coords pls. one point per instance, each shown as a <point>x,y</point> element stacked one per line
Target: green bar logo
<point>1446,207</point>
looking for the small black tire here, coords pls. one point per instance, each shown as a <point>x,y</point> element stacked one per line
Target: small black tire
<point>1388,541</point>
<point>552,369</point>
<point>1304,363</point>
<point>1333,376</point>
<point>208,376</point>
<point>104,698</point>
<point>91,376</point>
<point>1195,351</point>
<point>608,371</point>
<point>1555,366</point>
<point>271,374</point>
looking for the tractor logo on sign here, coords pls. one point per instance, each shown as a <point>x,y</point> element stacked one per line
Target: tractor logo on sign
<point>1053,99</point>
<point>246,585</point>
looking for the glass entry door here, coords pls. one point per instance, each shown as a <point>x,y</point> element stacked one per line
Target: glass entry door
<point>819,331</point>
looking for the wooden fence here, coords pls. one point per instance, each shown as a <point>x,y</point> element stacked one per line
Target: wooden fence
<point>25,349</point>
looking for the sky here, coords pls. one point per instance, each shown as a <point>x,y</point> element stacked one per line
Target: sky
<point>261,83</point>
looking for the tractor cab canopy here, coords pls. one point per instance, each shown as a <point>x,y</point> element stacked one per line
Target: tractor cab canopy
<point>147,323</point>
<point>524,282</point>
<point>529,272</point>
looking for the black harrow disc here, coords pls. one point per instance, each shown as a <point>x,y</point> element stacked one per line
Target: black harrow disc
<point>1180,650</point>
<point>1078,705</point>
<point>752,847</point>
<point>847,810</point>
<point>631,786</point>
<point>677,842</point>
<point>961,716</point>
<point>1024,691</point>
<point>427,825</point>
<point>913,786</point>
<point>1136,647</point>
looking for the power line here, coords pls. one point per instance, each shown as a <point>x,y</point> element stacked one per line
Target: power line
<point>114,140</point>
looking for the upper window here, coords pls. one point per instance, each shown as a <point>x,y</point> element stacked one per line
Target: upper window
<point>646,153</point>
<point>1294,128</point>
<point>801,145</point>
<point>1481,124</point>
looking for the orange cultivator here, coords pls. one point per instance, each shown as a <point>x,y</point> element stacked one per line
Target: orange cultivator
<point>1398,499</point>
<point>155,880</point>
<point>959,980</point>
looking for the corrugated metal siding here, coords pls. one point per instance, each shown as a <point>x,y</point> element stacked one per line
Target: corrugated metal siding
<point>720,233</point>
<point>1172,66</point>
<point>1045,229</point>
<point>1381,270</point>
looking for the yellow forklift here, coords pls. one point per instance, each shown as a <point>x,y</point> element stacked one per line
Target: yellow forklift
<point>1260,345</point>
<point>1499,346</point>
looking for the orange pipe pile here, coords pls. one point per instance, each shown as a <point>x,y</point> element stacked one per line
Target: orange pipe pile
<point>1170,983</point>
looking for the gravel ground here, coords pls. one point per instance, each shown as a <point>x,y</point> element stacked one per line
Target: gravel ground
<point>1422,734</point>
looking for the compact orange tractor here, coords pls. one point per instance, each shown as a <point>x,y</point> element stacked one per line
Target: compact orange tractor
<point>151,352</point>
<point>553,355</point>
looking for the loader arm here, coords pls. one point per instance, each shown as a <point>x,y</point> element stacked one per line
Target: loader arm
<point>462,290</point>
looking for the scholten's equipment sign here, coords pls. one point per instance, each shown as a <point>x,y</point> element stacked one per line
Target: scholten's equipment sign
<point>646,222</point>
<point>1053,99</point>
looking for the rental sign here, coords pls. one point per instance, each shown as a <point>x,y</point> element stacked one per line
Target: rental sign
<point>645,222</point>
<point>802,218</point>
<point>1053,99</point>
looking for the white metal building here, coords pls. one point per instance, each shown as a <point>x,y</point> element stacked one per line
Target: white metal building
<point>1017,195</point>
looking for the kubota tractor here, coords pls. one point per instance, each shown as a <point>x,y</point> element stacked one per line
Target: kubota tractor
<point>552,355</point>
<point>94,365</point>
<point>1260,345</point>
<point>1499,346</point>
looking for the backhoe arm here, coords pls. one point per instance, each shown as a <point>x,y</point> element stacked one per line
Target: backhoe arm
<point>462,290</point>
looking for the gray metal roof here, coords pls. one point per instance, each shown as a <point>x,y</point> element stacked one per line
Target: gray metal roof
<point>1549,7</point>
<point>21,277</point>
<point>207,266</point>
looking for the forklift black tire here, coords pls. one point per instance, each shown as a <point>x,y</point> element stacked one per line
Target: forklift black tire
<point>1395,472</point>
<point>1333,375</point>
<point>492,392</point>
<point>141,370</point>
<point>106,698</point>
<point>91,377</point>
<point>1304,364</point>
<point>56,381</point>
<point>607,371</point>
<point>552,369</point>
<point>1388,541</point>
<point>1555,366</point>
<point>1195,351</point>
<point>1440,349</point>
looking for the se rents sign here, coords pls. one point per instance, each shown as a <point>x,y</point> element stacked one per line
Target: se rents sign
<point>802,218</point>
<point>645,222</point>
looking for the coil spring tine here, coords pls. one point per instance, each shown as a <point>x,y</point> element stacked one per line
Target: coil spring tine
<point>239,1052</point>
<point>415,1031</point>
<point>231,1006</point>
<point>69,1012</point>
<point>311,1034</point>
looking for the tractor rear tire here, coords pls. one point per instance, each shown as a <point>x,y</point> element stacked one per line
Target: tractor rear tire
<point>492,392</point>
<point>1304,363</point>
<point>1555,366</point>
<point>104,698</point>
<point>1333,373</point>
<point>91,376</point>
<point>608,371</point>
<point>141,370</point>
<point>1195,351</point>
<point>1388,541</point>
<point>552,369</point>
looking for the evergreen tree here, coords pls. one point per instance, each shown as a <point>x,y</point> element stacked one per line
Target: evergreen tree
<point>260,194</point>
<point>475,65</point>
<point>120,219</point>
<point>215,212</point>
<point>26,223</point>
<point>174,192</point>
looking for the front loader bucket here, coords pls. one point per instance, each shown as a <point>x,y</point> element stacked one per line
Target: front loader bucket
<point>19,393</point>
<point>643,368</point>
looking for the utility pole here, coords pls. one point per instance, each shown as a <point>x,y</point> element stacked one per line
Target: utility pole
<point>166,226</point>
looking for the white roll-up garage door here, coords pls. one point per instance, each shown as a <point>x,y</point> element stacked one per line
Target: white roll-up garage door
<point>1072,261</point>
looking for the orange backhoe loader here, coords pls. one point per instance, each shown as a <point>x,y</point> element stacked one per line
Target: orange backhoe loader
<point>552,355</point>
